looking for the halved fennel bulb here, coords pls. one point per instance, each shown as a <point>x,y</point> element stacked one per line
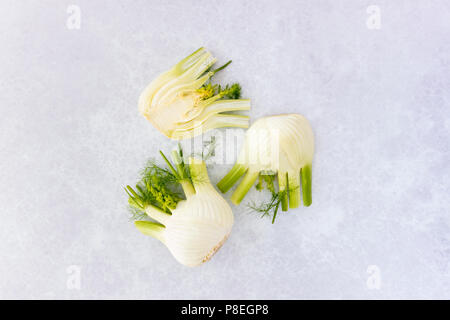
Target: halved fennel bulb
<point>180,103</point>
<point>282,144</point>
<point>192,229</point>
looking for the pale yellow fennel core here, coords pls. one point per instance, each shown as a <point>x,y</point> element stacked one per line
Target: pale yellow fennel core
<point>176,107</point>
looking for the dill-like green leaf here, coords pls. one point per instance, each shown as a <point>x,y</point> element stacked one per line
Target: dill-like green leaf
<point>268,180</point>
<point>136,214</point>
<point>157,186</point>
<point>268,208</point>
<point>209,90</point>
<point>230,91</point>
<point>153,173</point>
<point>209,148</point>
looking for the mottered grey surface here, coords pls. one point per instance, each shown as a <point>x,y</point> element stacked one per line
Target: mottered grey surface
<point>373,81</point>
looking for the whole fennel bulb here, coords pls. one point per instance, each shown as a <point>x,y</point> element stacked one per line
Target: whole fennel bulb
<point>282,145</point>
<point>193,229</point>
<point>181,104</point>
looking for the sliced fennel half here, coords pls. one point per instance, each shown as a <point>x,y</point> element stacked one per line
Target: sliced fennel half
<point>181,103</point>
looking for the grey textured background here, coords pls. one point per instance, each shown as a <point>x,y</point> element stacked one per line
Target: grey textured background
<point>71,137</point>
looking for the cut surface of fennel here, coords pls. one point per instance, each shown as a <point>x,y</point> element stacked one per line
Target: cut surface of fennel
<point>176,106</point>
